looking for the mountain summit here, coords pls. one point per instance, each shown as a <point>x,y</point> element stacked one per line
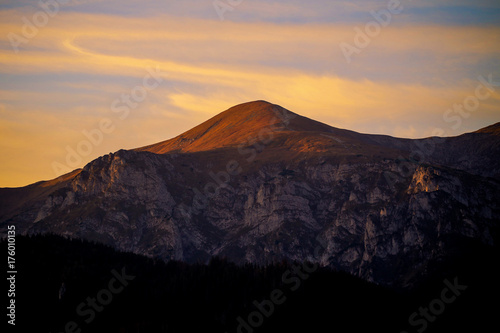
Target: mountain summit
<point>258,183</point>
<point>235,125</point>
<point>292,136</point>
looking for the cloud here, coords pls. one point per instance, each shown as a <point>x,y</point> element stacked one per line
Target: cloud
<point>66,77</point>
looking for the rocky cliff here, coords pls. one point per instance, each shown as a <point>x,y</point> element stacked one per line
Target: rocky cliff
<point>281,187</point>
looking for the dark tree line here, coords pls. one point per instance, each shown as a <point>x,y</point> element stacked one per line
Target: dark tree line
<point>56,275</point>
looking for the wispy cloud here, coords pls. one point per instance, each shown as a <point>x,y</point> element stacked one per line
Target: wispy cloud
<point>65,79</point>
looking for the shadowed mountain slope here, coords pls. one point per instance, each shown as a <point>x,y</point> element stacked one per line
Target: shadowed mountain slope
<point>258,183</point>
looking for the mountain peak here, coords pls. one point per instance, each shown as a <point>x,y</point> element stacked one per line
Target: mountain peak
<point>235,126</point>
<point>252,115</point>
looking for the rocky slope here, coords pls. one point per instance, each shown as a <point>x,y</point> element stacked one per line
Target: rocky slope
<point>259,183</point>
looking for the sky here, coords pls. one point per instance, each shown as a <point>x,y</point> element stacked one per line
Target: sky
<point>83,78</point>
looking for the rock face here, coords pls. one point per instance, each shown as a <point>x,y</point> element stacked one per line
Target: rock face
<point>284,187</point>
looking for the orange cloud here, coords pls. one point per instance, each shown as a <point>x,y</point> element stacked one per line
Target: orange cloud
<point>209,66</point>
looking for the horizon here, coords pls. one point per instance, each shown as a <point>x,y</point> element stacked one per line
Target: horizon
<point>145,71</point>
<point>206,120</point>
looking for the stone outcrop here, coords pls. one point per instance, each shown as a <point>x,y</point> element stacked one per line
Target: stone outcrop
<point>359,214</point>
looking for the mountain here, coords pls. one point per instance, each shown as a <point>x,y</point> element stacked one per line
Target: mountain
<point>267,125</point>
<point>258,183</point>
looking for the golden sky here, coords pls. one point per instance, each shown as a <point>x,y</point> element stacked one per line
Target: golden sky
<point>71,74</point>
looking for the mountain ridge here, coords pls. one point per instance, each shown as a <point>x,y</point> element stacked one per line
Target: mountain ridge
<point>274,191</point>
<point>255,116</point>
<point>234,126</point>
<point>180,143</point>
